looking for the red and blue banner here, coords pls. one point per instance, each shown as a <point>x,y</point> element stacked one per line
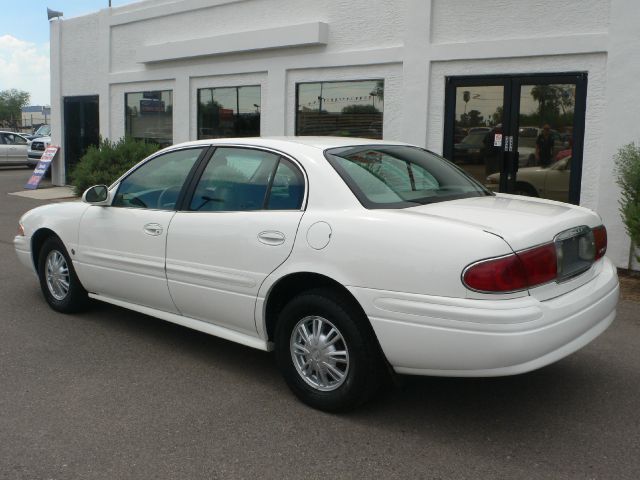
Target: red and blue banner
<point>41,169</point>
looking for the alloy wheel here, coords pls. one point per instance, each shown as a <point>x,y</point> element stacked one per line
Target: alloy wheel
<point>320,354</point>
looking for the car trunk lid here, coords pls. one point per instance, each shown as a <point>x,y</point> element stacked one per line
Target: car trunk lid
<point>524,223</point>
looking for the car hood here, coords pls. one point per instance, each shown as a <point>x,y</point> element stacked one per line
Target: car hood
<point>522,222</point>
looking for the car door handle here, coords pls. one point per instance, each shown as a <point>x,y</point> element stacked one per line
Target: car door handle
<point>271,237</point>
<point>153,229</point>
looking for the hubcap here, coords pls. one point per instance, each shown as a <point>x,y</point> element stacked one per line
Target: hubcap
<point>57,275</point>
<point>319,353</point>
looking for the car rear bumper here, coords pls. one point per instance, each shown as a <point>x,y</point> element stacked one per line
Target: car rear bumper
<point>441,336</point>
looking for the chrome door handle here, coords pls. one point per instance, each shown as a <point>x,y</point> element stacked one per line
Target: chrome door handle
<point>153,229</point>
<point>271,237</point>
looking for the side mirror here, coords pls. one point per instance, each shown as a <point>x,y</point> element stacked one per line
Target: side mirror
<point>96,195</point>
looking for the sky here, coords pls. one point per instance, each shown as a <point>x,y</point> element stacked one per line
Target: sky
<point>24,41</point>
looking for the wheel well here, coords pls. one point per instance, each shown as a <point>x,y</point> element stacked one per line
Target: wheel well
<point>37,240</point>
<point>292,285</point>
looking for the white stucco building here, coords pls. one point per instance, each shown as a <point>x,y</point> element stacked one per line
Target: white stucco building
<point>437,73</point>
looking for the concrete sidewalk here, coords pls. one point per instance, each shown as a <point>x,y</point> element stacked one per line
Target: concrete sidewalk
<point>51,193</point>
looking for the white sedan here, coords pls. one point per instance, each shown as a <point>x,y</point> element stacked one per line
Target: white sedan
<point>350,258</point>
<point>13,149</point>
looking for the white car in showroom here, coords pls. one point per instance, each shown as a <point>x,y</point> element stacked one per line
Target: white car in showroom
<point>350,258</point>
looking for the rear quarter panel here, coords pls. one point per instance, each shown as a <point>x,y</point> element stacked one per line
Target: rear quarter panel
<point>390,251</point>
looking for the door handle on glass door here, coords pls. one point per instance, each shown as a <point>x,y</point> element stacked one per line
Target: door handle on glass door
<point>271,237</point>
<point>153,229</point>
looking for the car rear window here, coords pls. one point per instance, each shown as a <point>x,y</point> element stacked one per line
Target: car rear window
<point>399,176</point>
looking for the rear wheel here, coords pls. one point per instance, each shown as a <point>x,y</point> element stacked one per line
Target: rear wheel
<point>58,280</point>
<point>327,351</point>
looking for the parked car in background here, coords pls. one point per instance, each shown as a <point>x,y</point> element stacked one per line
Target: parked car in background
<point>42,131</point>
<point>408,264</point>
<point>472,148</point>
<point>13,149</point>
<point>36,149</point>
<point>551,182</point>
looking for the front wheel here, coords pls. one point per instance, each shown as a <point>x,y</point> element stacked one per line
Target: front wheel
<point>58,280</point>
<point>327,351</point>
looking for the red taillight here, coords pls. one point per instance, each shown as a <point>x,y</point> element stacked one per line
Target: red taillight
<point>540,263</point>
<point>514,272</point>
<point>505,274</point>
<point>600,238</point>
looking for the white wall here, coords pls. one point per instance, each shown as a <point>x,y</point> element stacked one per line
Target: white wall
<point>413,44</point>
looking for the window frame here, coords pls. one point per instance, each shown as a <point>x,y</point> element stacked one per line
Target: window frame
<point>237,87</point>
<point>297,97</point>
<point>197,175</point>
<point>115,186</point>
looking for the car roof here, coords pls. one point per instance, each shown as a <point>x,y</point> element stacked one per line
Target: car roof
<point>13,133</point>
<point>321,143</point>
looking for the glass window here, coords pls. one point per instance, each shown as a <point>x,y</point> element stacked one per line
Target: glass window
<point>16,140</point>
<point>157,183</point>
<point>401,176</point>
<point>235,179</point>
<point>11,139</point>
<point>229,112</point>
<point>149,116</point>
<point>287,189</point>
<point>346,109</point>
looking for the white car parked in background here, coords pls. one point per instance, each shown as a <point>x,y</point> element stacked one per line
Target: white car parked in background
<point>13,149</point>
<point>37,146</point>
<point>346,256</point>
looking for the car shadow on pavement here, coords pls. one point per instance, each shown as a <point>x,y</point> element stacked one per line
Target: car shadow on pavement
<point>221,354</point>
<point>490,403</point>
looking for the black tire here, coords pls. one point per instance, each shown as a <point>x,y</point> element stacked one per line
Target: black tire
<point>366,367</point>
<point>75,298</point>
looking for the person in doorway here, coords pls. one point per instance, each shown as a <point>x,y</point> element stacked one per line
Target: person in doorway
<point>544,147</point>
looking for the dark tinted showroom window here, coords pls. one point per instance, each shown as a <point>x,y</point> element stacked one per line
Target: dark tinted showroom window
<point>346,109</point>
<point>229,112</point>
<point>149,116</point>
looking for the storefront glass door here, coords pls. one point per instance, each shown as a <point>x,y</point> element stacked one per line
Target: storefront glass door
<point>518,134</point>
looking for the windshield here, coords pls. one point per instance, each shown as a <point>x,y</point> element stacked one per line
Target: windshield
<point>398,176</point>
<point>43,131</point>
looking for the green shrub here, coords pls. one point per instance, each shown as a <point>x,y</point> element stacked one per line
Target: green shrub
<point>628,178</point>
<point>102,165</point>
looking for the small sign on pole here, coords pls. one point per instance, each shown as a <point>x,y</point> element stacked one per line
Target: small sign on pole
<point>41,169</point>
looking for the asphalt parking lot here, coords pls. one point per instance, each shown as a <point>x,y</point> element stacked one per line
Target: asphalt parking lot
<point>116,394</point>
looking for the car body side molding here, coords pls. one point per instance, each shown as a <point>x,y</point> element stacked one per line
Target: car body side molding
<point>199,325</point>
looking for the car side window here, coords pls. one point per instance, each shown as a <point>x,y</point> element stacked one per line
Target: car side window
<point>235,179</point>
<point>287,188</point>
<point>17,140</point>
<point>157,183</point>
